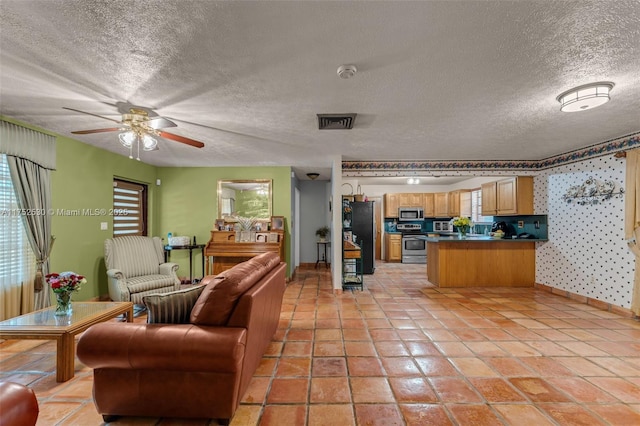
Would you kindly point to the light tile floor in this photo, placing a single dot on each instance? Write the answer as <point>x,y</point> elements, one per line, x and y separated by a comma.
<point>403,352</point>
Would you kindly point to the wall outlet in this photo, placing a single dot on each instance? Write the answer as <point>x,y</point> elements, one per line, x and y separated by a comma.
<point>104,226</point>
<point>521,224</point>
<point>537,224</point>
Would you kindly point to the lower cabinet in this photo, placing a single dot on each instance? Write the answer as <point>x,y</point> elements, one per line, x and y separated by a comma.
<point>393,247</point>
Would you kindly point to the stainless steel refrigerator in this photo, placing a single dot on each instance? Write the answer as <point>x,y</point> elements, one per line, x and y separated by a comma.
<point>363,225</point>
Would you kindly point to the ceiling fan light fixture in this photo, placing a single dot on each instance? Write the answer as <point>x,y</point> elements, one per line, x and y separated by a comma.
<point>413,181</point>
<point>149,143</point>
<point>313,175</point>
<point>127,138</point>
<point>585,97</point>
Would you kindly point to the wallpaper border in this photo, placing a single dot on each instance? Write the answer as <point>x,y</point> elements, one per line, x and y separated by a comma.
<point>389,168</point>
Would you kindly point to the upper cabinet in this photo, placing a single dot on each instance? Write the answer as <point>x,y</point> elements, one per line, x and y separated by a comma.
<point>460,203</point>
<point>391,205</point>
<point>410,199</point>
<point>511,196</point>
<point>428,204</point>
<point>441,204</point>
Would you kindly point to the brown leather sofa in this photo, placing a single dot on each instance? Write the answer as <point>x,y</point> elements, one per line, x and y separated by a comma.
<point>196,370</point>
<point>18,405</point>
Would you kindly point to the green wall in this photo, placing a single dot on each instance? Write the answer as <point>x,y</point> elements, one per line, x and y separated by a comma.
<point>84,180</point>
<point>188,202</point>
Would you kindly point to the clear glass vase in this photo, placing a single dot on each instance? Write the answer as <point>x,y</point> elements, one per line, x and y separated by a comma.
<point>63,303</point>
<point>462,232</point>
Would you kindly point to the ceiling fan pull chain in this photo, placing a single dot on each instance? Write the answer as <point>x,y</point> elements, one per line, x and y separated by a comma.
<point>138,143</point>
<point>131,151</point>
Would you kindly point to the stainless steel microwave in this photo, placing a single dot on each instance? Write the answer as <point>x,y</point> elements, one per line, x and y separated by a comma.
<point>410,213</point>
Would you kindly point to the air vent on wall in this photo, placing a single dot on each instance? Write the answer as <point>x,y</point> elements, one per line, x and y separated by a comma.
<point>336,121</point>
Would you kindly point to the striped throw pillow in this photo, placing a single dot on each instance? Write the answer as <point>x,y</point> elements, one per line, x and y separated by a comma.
<point>173,307</point>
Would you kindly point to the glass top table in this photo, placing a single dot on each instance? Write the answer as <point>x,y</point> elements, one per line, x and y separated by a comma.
<point>44,325</point>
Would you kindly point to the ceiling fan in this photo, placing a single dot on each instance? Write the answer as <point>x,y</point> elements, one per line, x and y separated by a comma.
<point>136,126</point>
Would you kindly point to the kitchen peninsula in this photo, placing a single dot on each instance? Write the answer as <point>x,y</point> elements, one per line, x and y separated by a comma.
<point>480,262</point>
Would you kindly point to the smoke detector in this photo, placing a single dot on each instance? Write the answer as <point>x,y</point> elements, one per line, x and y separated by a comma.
<point>347,71</point>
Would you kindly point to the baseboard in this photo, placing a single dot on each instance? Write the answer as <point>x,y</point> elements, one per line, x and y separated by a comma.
<point>605,306</point>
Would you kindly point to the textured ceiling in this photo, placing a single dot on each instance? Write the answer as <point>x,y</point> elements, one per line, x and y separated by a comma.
<point>446,80</point>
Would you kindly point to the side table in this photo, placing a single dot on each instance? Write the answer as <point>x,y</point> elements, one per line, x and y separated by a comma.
<point>324,259</point>
<point>191,248</point>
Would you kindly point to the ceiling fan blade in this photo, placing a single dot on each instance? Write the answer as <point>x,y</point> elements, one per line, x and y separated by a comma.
<point>160,123</point>
<point>181,139</point>
<point>95,115</point>
<point>86,132</point>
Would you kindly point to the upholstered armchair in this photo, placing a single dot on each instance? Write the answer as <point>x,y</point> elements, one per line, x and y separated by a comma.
<point>136,268</point>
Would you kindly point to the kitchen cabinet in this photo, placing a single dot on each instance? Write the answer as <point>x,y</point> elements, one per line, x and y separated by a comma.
<point>428,204</point>
<point>456,205</point>
<point>409,199</point>
<point>441,204</point>
<point>511,196</point>
<point>486,263</point>
<point>393,247</point>
<point>391,205</point>
<point>489,199</point>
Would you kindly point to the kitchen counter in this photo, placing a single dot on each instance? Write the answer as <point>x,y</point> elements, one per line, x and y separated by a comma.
<point>477,238</point>
<point>480,262</point>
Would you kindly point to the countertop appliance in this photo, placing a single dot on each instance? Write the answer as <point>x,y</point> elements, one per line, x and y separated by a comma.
<point>414,246</point>
<point>442,226</point>
<point>504,227</point>
<point>363,224</point>
<point>406,214</point>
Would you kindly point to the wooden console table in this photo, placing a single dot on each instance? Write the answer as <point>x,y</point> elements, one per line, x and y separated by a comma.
<point>223,251</point>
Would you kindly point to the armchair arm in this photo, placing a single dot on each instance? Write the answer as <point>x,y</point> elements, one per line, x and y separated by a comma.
<point>118,289</point>
<point>178,347</point>
<point>169,268</point>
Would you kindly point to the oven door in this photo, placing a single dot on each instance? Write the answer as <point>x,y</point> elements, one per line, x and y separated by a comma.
<point>414,249</point>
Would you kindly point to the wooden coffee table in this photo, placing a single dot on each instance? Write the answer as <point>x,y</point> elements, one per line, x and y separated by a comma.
<point>44,325</point>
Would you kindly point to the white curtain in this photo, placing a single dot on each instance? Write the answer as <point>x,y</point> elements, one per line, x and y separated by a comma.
<point>31,155</point>
<point>632,219</point>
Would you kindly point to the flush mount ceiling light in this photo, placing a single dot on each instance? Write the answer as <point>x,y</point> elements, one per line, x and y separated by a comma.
<point>313,176</point>
<point>413,181</point>
<point>585,97</point>
<point>347,71</point>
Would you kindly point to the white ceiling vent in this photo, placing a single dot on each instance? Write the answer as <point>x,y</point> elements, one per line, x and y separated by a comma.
<point>336,121</point>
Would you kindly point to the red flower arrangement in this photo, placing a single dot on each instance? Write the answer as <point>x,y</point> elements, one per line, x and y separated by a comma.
<point>65,282</point>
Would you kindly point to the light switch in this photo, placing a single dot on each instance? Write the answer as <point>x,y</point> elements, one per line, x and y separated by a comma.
<point>104,226</point>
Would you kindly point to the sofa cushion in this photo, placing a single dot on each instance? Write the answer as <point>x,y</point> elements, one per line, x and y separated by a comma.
<point>173,307</point>
<point>219,297</point>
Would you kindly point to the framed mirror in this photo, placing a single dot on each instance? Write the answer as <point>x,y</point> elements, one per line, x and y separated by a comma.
<point>244,198</point>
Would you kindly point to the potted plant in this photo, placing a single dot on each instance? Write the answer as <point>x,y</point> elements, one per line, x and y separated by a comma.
<point>322,233</point>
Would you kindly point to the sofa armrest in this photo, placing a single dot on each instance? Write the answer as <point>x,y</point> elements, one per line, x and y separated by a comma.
<point>19,405</point>
<point>178,347</point>
<point>168,268</point>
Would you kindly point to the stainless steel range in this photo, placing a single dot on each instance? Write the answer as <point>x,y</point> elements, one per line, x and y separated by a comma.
<point>414,246</point>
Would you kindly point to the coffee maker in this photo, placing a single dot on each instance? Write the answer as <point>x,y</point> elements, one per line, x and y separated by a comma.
<point>504,227</point>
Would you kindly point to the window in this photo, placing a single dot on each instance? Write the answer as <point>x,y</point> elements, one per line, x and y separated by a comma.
<point>476,208</point>
<point>17,261</point>
<point>130,208</point>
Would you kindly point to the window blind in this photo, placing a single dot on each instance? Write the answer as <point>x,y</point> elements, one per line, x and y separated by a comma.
<point>16,257</point>
<point>130,208</point>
